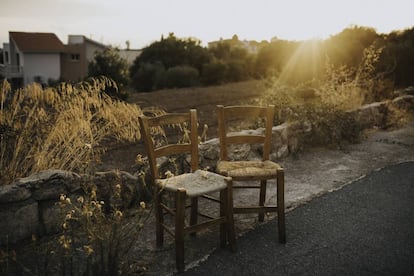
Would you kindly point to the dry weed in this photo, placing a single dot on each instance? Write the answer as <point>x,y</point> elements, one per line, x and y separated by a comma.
<point>60,128</point>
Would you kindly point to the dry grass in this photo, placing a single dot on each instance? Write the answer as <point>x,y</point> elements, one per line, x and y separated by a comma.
<point>322,105</point>
<point>60,128</point>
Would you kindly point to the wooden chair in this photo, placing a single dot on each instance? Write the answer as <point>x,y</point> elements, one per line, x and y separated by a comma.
<point>185,186</point>
<point>251,170</point>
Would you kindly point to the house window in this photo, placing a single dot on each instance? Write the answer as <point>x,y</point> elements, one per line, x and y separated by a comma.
<point>74,57</point>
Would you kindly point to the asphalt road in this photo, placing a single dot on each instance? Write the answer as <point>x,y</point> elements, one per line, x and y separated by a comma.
<point>365,228</point>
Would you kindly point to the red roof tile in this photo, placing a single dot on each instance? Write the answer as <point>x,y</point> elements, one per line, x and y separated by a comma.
<point>37,42</point>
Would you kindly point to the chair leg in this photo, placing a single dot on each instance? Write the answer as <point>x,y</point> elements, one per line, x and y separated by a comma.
<point>179,229</point>
<point>194,213</point>
<point>262,198</point>
<point>159,219</point>
<point>281,205</point>
<point>223,213</point>
<point>230,216</point>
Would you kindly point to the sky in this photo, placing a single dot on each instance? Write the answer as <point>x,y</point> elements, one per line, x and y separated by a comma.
<point>142,22</point>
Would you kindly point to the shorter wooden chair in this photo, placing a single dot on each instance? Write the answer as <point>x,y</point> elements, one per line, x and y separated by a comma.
<point>251,170</point>
<point>191,185</point>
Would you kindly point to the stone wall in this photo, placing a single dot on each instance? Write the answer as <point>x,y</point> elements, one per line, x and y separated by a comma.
<point>287,137</point>
<point>28,206</point>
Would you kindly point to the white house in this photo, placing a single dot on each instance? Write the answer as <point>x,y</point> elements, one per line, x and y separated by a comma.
<point>32,57</point>
<point>129,55</point>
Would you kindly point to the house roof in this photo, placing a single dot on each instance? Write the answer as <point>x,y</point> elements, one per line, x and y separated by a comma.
<point>95,42</point>
<point>37,42</point>
<point>81,39</point>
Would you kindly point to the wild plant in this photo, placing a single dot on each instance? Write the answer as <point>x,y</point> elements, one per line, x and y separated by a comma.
<point>348,88</point>
<point>98,236</point>
<point>51,128</point>
<point>322,105</point>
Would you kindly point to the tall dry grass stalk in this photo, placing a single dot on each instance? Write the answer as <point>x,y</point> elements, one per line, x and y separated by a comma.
<point>60,128</point>
<point>341,88</point>
<point>349,88</point>
<point>322,104</point>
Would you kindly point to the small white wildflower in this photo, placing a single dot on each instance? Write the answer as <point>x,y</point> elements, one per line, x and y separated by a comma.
<point>169,174</point>
<point>88,249</point>
<point>139,160</point>
<point>118,214</point>
<point>204,174</point>
<point>80,199</point>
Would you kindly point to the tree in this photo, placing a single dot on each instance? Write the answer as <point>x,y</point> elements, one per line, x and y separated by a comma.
<point>231,62</point>
<point>274,56</point>
<point>347,47</point>
<point>109,64</point>
<point>399,50</point>
<point>168,53</point>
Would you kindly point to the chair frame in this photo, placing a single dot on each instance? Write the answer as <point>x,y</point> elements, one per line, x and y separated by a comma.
<point>225,219</point>
<point>227,113</point>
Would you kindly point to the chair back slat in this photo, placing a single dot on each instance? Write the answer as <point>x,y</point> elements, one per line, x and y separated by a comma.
<point>173,149</point>
<point>169,119</point>
<point>232,114</point>
<point>248,111</point>
<point>245,139</point>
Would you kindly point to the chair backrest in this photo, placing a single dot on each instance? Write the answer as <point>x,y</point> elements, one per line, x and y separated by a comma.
<point>229,114</point>
<point>151,125</point>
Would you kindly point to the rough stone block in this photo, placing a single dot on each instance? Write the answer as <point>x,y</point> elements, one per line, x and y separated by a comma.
<point>18,221</point>
<point>405,102</point>
<point>14,193</point>
<point>210,149</point>
<point>51,217</point>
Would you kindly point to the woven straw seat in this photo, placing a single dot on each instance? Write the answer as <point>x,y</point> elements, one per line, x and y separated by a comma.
<point>248,170</point>
<point>195,184</point>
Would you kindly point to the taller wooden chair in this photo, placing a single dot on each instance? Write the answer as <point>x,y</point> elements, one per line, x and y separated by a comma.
<point>191,185</point>
<point>251,170</point>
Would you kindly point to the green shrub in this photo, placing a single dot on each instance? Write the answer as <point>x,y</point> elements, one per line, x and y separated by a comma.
<point>214,73</point>
<point>149,76</point>
<point>236,71</point>
<point>181,76</point>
